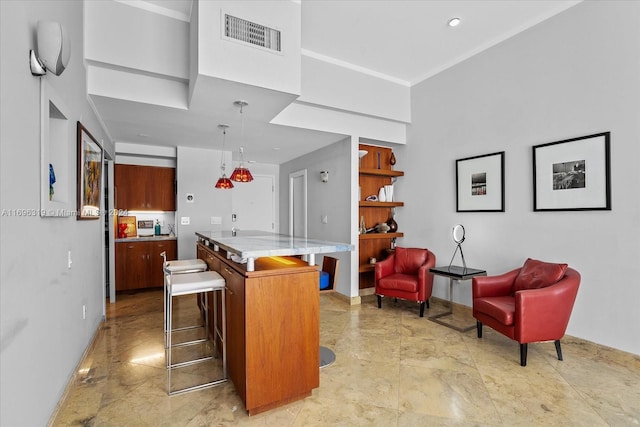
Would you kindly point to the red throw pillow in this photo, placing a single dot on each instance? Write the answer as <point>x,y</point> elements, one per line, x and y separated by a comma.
<point>537,274</point>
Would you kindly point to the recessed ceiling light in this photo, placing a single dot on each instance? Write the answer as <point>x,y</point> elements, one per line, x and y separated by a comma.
<point>143,135</point>
<point>275,148</point>
<point>454,22</point>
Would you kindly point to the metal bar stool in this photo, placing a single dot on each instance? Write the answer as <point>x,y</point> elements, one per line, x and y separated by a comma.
<point>178,267</point>
<point>192,283</point>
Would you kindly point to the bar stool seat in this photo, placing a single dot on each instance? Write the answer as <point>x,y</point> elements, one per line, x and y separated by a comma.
<point>193,283</point>
<point>184,265</point>
<point>178,267</point>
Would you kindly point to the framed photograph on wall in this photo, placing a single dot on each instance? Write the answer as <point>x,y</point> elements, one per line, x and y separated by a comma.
<point>480,183</point>
<point>573,174</point>
<point>89,175</point>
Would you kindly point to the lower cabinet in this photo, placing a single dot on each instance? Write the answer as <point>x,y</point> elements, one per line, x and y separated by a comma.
<point>235,306</point>
<point>273,329</point>
<point>139,264</point>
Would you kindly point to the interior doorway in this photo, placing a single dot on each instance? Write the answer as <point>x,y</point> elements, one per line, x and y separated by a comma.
<point>253,205</point>
<point>298,203</point>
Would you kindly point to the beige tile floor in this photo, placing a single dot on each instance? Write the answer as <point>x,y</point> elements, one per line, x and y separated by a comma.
<point>393,368</point>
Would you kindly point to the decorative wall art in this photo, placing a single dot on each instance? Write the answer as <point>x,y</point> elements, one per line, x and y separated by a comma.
<point>573,174</point>
<point>89,175</point>
<point>480,183</point>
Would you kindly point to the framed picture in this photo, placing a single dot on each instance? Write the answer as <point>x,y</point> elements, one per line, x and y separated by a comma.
<point>572,175</point>
<point>480,183</point>
<point>89,175</point>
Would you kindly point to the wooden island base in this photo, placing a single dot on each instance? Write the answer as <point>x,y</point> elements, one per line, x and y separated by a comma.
<point>273,328</point>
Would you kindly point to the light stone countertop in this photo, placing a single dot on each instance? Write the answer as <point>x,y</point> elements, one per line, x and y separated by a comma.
<point>250,245</point>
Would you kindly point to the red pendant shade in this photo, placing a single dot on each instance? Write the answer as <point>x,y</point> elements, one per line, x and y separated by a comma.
<point>224,183</point>
<point>241,174</point>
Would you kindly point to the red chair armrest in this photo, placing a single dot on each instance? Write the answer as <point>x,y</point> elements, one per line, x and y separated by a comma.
<point>493,286</point>
<point>543,314</point>
<point>425,277</point>
<point>385,267</point>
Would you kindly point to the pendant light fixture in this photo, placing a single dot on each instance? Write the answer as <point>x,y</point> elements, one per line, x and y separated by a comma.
<point>223,183</point>
<point>241,173</point>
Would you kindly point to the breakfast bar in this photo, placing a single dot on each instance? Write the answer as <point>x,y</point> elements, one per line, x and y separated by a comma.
<point>272,312</point>
<point>250,245</point>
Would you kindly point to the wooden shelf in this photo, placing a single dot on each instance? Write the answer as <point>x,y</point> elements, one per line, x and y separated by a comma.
<point>380,236</point>
<point>380,172</point>
<point>367,204</point>
<point>365,268</point>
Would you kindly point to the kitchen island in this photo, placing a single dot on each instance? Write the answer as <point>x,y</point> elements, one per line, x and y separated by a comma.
<point>272,312</point>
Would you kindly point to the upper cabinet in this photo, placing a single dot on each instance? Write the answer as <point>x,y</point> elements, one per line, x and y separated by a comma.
<point>145,188</point>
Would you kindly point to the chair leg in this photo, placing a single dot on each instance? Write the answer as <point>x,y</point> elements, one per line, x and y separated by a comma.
<point>428,304</point>
<point>379,301</point>
<point>422,309</point>
<point>479,328</point>
<point>558,349</point>
<point>523,354</point>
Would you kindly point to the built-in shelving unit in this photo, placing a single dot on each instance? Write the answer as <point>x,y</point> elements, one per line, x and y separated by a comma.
<point>375,171</point>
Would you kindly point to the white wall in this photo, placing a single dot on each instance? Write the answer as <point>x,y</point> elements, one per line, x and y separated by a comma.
<point>337,87</point>
<point>234,61</point>
<point>43,334</point>
<point>133,38</point>
<point>332,199</point>
<point>197,172</point>
<point>576,74</point>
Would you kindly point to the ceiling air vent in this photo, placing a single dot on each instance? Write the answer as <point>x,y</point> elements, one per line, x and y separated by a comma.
<point>252,33</point>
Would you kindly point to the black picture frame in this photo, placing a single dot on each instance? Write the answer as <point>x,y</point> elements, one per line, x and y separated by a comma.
<point>480,183</point>
<point>573,174</point>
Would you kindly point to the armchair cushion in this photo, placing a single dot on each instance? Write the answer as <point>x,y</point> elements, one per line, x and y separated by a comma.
<point>408,260</point>
<point>500,308</point>
<point>399,281</point>
<point>537,274</point>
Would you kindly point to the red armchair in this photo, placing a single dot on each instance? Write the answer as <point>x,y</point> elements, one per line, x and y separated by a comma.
<point>405,275</point>
<point>528,304</point>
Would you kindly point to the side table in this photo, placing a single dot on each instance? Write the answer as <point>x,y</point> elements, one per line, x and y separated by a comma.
<point>454,272</point>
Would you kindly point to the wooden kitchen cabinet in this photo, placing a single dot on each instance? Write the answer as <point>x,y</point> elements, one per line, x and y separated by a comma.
<point>139,264</point>
<point>235,306</point>
<point>273,328</point>
<point>144,187</point>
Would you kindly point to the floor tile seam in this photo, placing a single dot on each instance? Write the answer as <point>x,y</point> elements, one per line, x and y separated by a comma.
<point>484,383</point>
<point>584,397</point>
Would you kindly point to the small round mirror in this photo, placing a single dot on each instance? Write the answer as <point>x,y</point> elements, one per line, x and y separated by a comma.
<point>458,233</point>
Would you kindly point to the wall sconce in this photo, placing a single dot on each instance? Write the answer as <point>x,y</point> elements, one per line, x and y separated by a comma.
<point>324,176</point>
<point>53,49</point>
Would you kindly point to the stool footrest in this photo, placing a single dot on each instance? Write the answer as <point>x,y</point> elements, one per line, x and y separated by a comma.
<point>191,362</point>
<point>188,343</point>
<point>188,328</point>
<point>198,387</point>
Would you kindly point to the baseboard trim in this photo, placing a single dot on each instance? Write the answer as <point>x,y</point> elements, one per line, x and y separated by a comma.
<point>74,377</point>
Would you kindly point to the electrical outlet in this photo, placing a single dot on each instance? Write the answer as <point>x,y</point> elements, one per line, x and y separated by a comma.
<point>215,220</point>
<point>185,220</point>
